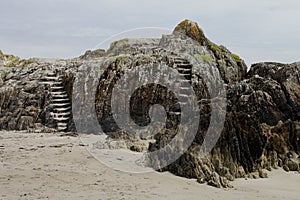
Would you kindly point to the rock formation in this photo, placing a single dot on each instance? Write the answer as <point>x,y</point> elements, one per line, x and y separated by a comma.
<point>262,124</point>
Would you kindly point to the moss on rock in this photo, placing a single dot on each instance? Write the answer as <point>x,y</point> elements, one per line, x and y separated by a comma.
<point>236,57</point>
<point>4,75</point>
<point>192,30</point>
<point>215,49</point>
<point>205,58</point>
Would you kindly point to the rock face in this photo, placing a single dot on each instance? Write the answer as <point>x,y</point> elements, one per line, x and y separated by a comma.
<point>261,128</point>
<point>231,67</point>
<point>33,96</point>
<point>262,112</point>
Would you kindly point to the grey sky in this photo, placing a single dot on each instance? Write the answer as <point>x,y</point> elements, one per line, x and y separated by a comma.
<point>257,30</point>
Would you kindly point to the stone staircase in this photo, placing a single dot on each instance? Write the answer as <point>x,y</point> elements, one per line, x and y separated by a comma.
<point>184,68</point>
<point>60,101</point>
<point>185,71</point>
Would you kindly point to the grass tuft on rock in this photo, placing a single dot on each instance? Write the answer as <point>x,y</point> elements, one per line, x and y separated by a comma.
<point>205,58</point>
<point>236,57</point>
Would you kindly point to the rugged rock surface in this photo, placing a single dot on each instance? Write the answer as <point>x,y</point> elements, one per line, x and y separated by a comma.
<point>33,95</point>
<point>261,128</point>
<point>231,67</point>
<point>262,124</point>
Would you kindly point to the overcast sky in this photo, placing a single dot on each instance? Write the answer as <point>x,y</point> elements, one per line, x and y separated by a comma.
<point>257,30</point>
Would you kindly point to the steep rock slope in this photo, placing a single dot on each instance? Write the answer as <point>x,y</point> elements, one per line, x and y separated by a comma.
<point>261,127</point>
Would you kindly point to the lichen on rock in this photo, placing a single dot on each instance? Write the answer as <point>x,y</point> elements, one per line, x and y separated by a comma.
<point>192,30</point>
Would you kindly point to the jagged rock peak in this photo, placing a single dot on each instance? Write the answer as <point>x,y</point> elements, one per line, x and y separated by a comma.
<point>192,30</point>
<point>231,67</point>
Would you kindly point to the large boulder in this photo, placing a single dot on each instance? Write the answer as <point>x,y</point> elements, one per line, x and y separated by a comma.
<point>287,77</point>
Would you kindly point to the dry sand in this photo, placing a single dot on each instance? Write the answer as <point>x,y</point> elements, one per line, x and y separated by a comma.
<point>47,166</point>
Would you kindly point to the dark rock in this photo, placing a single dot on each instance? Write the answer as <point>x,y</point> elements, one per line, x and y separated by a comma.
<point>292,165</point>
<point>214,180</point>
<point>289,155</point>
<point>201,180</point>
<point>138,148</point>
<point>225,183</point>
<point>286,168</point>
<point>262,124</point>
<point>263,174</point>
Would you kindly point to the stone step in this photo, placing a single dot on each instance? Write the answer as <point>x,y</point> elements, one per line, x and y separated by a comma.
<point>184,69</point>
<point>183,99</point>
<point>57,84</point>
<point>61,104</point>
<point>174,113</point>
<point>62,124</point>
<point>61,118</point>
<point>57,100</point>
<point>45,82</point>
<point>61,128</point>
<point>184,72</point>
<point>63,114</point>
<point>184,88</point>
<point>183,103</point>
<point>62,109</point>
<point>178,59</point>
<point>54,78</point>
<point>58,93</point>
<point>185,80</point>
<point>51,83</point>
<point>183,95</point>
<point>186,76</point>
<point>64,96</point>
<point>185,66</point>
<point>51,73</point>
<point>185,91</point>
<point>45,79</point>
<point>57,88</point>
<point>181,62</point>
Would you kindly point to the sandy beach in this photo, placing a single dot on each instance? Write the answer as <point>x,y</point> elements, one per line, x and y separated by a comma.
<point>51,166</point>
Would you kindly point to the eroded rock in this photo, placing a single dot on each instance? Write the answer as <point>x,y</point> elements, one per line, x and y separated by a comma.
<point>262,122</point>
